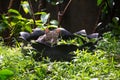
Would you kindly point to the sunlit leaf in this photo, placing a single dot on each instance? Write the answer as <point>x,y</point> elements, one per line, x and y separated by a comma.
<point>14,12</point>
<point>54,22</point>
<point>26,7</point>
<point>38,13</point>
<point>28,28</point>
<point>44,18</point>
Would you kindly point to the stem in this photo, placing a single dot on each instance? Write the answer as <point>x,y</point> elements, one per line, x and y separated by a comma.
<point>32,13</point>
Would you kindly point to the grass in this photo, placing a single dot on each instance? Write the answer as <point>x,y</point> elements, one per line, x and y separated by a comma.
<point>103,63</point>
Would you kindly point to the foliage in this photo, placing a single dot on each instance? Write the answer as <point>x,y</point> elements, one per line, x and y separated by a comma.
<point>26,7</point>
<point>102,63</point>
<point>24,67</point>
<point>5,73</point>
<point>109,16</point>
<point>15,23</point>
<point>54,2</point>
<point>110,44</point>
<point>99,64</point>
<point>99,2</point>
<point>116,27</point>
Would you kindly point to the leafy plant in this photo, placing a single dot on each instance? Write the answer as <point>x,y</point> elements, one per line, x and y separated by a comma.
<point>108,14</point>
<point>116,27</point>
<point>102,63</point>
<point>15,23</point>
<point>5,74</point>
<point>26,7</point>
<point>99,64</point>
<point>109,43</point>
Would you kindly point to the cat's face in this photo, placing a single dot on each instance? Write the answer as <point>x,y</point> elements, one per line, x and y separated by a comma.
<point>52,36</point>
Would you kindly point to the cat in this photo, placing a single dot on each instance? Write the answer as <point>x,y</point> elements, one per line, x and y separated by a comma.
<point>50,37</point>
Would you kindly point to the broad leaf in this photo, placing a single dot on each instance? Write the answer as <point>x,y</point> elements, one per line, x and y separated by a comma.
<point>99,2</point>
<point>5,74</point>
<point>26,7</point>
<point>44,18</point>
<point>14,12</point>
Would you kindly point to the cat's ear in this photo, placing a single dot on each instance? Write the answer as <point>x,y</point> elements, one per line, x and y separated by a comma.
<point>47,30</point>
<point>58,30</point>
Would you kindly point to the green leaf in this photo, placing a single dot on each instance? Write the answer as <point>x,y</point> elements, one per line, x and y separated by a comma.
<point>39,13</point>
<point>54,22</point>
<point>99,2</point>
<point>14,12</point>
<point>5,74</point>
<point>28,28</point>
<point>26,7</point>
<point>3,26</point>
<point>44,18</point>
